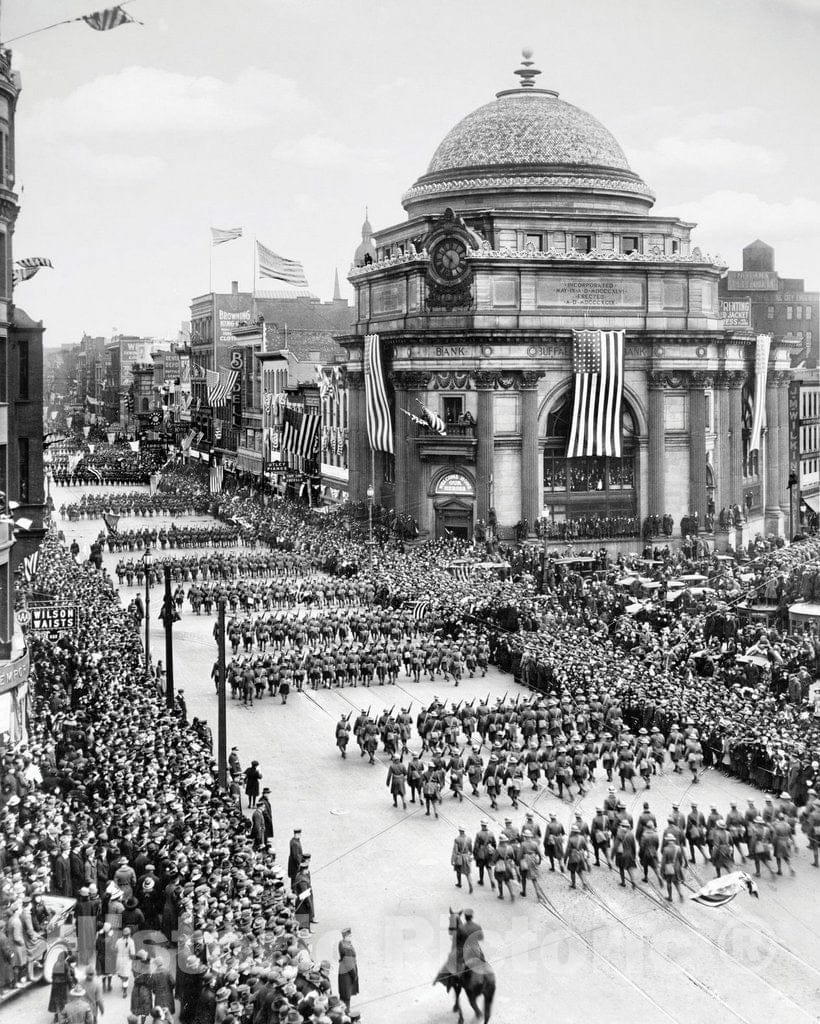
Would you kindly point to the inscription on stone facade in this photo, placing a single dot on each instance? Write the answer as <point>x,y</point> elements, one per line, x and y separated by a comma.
<point>600,292</point>
<point>387,298</point>
<point>547,351</point>
<point>446,351</point>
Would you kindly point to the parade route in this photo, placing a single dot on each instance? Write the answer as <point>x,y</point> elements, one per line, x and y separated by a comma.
<point>385,872</point>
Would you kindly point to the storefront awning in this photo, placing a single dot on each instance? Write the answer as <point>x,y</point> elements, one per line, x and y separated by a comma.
<point>813,501</point>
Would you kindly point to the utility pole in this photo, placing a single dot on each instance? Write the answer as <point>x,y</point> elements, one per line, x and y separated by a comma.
<point>222,740</point>
<point>169,640</point>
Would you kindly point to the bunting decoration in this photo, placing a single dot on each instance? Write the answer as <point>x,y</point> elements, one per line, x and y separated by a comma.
<point>111,17</point>
<point>379,424</point>
<point>598,364</point>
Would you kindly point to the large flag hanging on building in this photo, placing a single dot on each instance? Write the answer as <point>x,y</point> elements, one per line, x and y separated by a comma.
<point>764,344</point>
<point>111,17</point>
<point>598,364</point>
<point>270,264</point>
<point>220,385</point>
<point>220,235</point>
<point>215,478</point>
<point>379,424</point>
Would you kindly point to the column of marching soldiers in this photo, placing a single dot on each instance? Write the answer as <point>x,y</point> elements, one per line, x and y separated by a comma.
<point>525,743</point>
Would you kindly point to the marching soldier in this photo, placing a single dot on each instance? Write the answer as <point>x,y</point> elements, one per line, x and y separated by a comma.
<point>672,864</point>
<point>529,859</point>
<point>484,847</point>
<point>648,846</point>
<point>575,857</point>
<point>396,778</point>
<point>721,847</point>
<point>461,858</point>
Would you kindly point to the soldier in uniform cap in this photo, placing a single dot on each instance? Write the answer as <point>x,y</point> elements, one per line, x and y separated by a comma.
<point>484,846</point>
<point>461,858</point>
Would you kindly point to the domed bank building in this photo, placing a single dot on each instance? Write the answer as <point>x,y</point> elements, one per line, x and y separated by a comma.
<point>533,343</point>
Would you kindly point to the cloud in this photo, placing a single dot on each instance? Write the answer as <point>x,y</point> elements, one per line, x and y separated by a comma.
<point>319,151</point>
<point>703,155</point>
<point>144,100</point>
<point>118,167</point>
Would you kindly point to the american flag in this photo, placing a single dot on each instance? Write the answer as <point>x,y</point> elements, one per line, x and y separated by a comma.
<point>222,235</point>
<point>30,563</point>
<point>215,481</point>
<point>379,424</point>
<point>762,348</point>
<point>419,609</point>
<point>220,385</point>
<point>111,521</point>
<point>300,432</point>
<point>598,364</point>
<point>278,267</point>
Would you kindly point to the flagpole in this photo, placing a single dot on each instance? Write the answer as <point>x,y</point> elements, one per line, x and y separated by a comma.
<point>211,266</point>
<point>253,283</point>
<point>371,497</point>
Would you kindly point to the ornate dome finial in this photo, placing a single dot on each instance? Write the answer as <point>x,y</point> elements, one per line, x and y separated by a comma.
<point>527,72</point>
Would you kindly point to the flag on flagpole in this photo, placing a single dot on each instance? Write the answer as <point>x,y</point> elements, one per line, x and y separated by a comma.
<point>111,521</point>
<point>153,483</point>
<point>215,481</point>
<point>764,343</point>
<point>111,17</point>
<point>221,235</point>
<point>270,264</point>
<point>432,419</point>
<point>379,424</point>
<point>26,268</point>
<point>598,363</point>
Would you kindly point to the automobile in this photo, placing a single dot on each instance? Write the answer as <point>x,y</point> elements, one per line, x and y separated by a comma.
<point>60,937</point>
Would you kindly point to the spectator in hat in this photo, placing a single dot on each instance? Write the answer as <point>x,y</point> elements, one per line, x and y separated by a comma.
<point>348,968</point>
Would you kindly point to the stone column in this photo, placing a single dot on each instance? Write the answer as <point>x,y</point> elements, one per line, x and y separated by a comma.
<point>774,517</point>
<point>697,444</point>
<point>400,441</point>
<point>782,382</point>
<point>656,491</point>
<point>414,385</point>
<point>722,458</point>
<point>530,503</point>
<point>735,431</point>
<point>358,450</point>
<point>485,451</point>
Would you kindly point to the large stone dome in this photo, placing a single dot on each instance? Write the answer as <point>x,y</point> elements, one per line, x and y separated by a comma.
<point>527,127</point>
<point>528,148</point>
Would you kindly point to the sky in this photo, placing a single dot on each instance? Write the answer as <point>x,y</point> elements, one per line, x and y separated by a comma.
<point>288,117</point>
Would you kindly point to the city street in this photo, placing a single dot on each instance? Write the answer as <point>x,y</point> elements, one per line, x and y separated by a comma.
<point>386,873</point>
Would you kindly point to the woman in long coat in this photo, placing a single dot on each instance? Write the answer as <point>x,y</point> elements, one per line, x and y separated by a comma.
<point>252,778</point>
<point>60,984</point>
<point>348,969</point>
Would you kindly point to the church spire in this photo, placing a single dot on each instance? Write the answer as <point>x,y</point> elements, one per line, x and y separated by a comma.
<point>337,292</point>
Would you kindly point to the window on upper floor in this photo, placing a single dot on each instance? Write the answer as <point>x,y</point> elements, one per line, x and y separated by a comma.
<point>798,312</point>
<point>22,371</point>
<point>582,243</point>
<point>789,312</point>
<point>536,241</point>
<point>675,245</point>
<point>452,407</point>
<point>630,243</point>
<point>808,312</point>
<point>770,312</point>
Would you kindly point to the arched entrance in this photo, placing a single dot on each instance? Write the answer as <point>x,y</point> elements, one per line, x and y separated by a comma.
<point>453,504</point>
<point>591,486</point>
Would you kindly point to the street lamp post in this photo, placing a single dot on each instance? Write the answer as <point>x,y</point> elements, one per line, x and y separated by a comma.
<point>222,711</point>
<point>370,496</point>
<point>146,562</point>
<point>169,640</point>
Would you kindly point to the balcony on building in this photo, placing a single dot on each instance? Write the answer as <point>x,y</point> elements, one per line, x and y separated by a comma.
<point>459,441</point>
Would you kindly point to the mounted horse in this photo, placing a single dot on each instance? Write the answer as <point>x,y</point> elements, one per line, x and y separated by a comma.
<point>471,975</point>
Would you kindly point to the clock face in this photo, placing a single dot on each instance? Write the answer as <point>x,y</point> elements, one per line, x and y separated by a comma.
<point>449,259</point>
